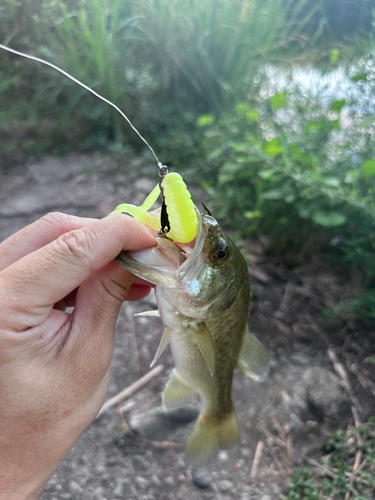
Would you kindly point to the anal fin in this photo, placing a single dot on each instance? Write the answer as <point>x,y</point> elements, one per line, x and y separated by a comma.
<point>166,337</point>
<point>253,360</point>
<point>177,392</point>
<point>205,344</point>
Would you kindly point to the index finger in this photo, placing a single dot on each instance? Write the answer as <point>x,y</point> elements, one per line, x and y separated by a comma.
<point>34,283</point>
<point>37,235</point>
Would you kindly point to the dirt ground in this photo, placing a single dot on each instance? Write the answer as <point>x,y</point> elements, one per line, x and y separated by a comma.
<point>284,420</point>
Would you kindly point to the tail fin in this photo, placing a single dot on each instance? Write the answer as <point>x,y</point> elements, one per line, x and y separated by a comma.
<point>210,435</point>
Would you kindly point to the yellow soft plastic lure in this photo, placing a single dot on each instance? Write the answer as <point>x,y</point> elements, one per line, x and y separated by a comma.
<point>179,205</point>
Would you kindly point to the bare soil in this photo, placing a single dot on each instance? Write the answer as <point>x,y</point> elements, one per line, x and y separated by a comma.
<point>286,418</point>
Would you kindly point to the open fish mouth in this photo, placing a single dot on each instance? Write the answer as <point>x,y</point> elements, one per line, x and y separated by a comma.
<point>168,262</point>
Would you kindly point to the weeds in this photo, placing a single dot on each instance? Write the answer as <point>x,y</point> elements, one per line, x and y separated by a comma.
<point>340,454</point>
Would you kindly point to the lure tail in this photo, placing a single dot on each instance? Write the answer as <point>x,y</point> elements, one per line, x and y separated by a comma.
<point>210,435</point>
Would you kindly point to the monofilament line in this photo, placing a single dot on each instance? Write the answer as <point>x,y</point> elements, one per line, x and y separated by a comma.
<point>38,59</point>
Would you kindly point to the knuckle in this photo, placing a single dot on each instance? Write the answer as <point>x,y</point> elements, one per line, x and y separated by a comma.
<point>115,290</point>
<point>54,219</point>
<point>76,243</point>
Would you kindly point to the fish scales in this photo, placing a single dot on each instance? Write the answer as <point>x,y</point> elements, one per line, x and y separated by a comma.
<point>203,300</point>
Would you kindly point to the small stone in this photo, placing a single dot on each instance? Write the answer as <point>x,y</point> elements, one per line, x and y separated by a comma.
<point>225,485</point>
<point>74,486</point>
<point>201,479</point>
<point>169,481</point>
<point>141,483</point>
<point>155,480</point>
<point>65,496</point>
<point>245,452</point>
<point>265,497</point>
<point>223,455</point>
<point>141,463</point>
<point>112,461</point>
<point>99,459</point>
<point>325,393</point>
<point>300,359</point>
<point>121,488</point>
<point>181,478</point>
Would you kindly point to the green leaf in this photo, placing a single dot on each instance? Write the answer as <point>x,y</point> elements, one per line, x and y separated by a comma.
<point>273,147</point>
<point>352,176</point>
<point>242,108</point>
<point>331,181</point>
<point>272,194</point>
<point>205,120</point>
<point>338,105</point>
<point>215,153</point>
<point>361,76</point>
<point>278,101</point>
<point>252,115</point>
<point>334,55</point>
<point>366,122</point>
<point>368,168</point>
<point>328,219</point>
<point>253,215</point>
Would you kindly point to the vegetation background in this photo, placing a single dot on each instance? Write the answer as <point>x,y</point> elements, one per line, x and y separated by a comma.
<point>270,106</point>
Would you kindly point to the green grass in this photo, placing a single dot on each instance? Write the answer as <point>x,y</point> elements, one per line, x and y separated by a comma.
<point>340,454</point>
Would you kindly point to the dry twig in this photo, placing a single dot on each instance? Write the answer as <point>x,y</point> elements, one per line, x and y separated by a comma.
<point>355,409</point>
<point>306,459</point>
<point>129,390</point>
<point>257,457</point>
<point>342,373</point>
<point>258,274</point>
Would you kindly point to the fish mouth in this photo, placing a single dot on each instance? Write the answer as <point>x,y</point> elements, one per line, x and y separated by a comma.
<point>167,263</point>
<point>196,251</point>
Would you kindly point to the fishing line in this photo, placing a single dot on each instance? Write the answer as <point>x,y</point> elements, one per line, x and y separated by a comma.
<point>163,169</point>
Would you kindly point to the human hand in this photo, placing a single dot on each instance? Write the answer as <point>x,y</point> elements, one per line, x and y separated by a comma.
<point>54,366</point>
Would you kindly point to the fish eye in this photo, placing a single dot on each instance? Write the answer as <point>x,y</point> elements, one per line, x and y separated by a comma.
<point>220,253</point>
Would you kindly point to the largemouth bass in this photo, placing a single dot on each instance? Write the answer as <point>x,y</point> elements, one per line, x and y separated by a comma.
<point>203,295</point>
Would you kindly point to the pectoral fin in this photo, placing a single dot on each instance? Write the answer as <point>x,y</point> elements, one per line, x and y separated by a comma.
<point>163,344</point>
<point>155,313</point>
<point>205,344</point>
<point>253,360</point>
<point>177,392</point>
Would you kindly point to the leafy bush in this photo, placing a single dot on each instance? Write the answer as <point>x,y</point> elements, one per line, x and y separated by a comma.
<point>163,62</point>
<point>299,168</point>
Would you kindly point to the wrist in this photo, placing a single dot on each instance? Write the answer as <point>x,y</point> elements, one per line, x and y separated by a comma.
<point>23,471</point>
<point>28,459</point>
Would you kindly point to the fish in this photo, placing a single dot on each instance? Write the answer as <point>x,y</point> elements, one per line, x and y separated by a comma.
<point>203,296</point>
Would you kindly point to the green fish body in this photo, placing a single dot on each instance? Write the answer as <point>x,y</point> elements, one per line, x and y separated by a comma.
<point>203,299</point>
